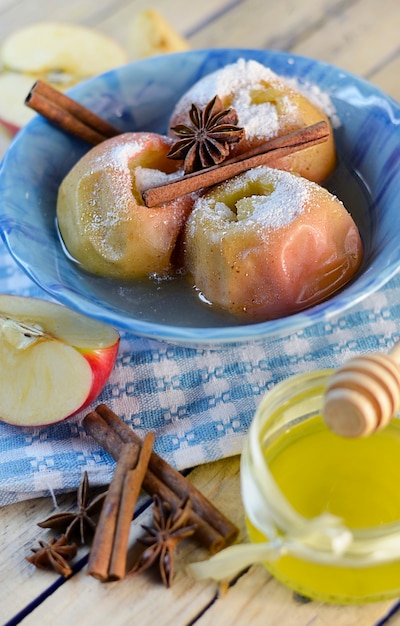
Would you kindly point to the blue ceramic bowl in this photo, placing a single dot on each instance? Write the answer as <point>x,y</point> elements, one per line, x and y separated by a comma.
<point>141,96</point>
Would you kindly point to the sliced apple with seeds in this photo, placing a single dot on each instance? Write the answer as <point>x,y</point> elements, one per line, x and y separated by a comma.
<point>60,53</point>
<point>53,360</point>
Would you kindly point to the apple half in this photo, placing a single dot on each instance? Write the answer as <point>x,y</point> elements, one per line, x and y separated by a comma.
<point>53,360</point>
<point>60,53</point>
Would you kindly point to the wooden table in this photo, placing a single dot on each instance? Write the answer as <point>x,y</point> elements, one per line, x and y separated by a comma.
<point>361,36</point>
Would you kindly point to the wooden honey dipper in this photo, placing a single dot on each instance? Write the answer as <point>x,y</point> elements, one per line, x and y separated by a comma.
<point>363,395</point>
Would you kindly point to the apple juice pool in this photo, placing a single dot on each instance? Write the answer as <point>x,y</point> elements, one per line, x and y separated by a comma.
<point>357,480</point>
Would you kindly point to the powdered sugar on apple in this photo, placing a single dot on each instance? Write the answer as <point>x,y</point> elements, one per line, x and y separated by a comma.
<point>238,83</point>
<point>278,208</point>
<point>147,177</point>
<point>117,161</point>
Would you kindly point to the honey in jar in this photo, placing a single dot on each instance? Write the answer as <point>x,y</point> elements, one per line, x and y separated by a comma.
<point>330,505</point>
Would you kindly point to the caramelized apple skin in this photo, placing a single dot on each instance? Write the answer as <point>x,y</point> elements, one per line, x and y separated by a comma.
<point>276,259</point>
<point>102,218</point>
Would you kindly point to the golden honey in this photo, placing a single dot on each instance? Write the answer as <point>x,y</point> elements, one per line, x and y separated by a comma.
<point>357,481</point>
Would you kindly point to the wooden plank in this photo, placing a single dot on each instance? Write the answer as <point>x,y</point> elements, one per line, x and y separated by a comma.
<point>358,38</point>
<point>394,620</point>
<point>19,532</point>
<point>260,600</point>
<point>260,24</point>
<point>119,24</point>
<point>21,582</point>
<point>5,4</point>
<point>21,14</point>
<point>85,600</point>
<point>256,598</point>
<point>384,78</point>
<point>115,20</point>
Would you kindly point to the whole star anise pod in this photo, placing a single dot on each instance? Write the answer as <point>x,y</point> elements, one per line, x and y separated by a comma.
<point>169,528</point>
<point>81,519</point>
<point>55,554</point>
<point>207,140</point>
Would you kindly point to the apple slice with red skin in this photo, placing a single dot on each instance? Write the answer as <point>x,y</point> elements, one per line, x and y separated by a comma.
<point>60,53</point>
<point>13,113</point>
<point>53,361</point>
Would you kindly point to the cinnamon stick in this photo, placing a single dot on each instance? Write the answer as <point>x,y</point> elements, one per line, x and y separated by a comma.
<point>75,118</point>
<point>68,114</point>
<point>107,560</point>
<point>130,493</point>
<point>270,153</point>
<point>205,533</point>
<point>173,479</point>
<point>213,529</point>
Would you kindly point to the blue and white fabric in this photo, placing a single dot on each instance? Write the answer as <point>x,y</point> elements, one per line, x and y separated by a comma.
<point>198,402</point>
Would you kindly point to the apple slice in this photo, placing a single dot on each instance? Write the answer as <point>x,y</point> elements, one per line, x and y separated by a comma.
<point>152,34</point>
<point>45,48</point>
<point>13,113</point>
<point>53,361</point>
<point>59,53</point>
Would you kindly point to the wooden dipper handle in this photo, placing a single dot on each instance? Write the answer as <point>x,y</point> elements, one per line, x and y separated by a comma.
<point>363,395</point>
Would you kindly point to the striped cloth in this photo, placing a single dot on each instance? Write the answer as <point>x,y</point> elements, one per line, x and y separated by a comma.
<point>198,402</point>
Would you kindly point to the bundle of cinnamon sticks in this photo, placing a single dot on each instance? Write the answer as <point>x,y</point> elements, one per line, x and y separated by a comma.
<point>138,466</point>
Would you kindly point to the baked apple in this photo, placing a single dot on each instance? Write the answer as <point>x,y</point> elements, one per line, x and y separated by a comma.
<point>267,106</point>
<point>102,218</point>
<point>268,243</point>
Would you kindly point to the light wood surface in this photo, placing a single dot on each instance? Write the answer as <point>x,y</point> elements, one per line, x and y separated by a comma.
<point>361,36</point>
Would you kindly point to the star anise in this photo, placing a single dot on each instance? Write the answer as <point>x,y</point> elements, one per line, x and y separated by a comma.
<point>207,140</point>
<point>81,519</point>
<point>169,528</point>
<point>55,554</point>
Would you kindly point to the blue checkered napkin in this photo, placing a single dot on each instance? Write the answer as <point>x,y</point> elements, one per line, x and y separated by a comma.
<point>198,402</point>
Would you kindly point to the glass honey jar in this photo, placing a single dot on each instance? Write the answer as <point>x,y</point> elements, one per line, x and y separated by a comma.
<point>322,511</point>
